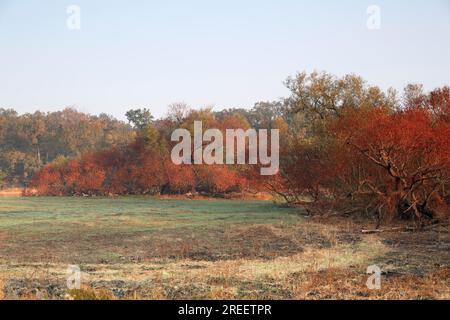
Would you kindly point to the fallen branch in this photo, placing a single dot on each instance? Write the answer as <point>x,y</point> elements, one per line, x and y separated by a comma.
<point>389,230</point>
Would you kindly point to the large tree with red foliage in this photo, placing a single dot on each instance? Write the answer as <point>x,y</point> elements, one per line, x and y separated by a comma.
<point>407,155</point>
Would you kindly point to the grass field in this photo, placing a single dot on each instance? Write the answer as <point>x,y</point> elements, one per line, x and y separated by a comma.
<point>144,248</point>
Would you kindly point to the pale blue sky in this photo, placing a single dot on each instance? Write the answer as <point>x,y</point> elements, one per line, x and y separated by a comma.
<point>224,53</point>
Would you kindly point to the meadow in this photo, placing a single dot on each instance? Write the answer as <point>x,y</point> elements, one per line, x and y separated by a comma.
<point>148,248</point>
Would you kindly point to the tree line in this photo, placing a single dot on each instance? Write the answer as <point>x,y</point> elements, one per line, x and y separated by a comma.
<point>345,145</point>
<point>31,141</point>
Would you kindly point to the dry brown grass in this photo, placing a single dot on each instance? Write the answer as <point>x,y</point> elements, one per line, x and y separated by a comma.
<point>311,259</point>
<point>89,293</point>
<point>350,285</point>
<point>337,273</point>
<point>2,286</point>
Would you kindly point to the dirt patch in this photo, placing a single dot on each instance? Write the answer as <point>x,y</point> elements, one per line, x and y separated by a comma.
<point>252,242</point>
<point>12,192</point>
<point>410,250</point>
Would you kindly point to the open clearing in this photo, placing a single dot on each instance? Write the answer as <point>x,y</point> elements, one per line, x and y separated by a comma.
<point>144,248</point>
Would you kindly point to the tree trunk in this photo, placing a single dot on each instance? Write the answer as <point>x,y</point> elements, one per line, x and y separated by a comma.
<point>38,156</point>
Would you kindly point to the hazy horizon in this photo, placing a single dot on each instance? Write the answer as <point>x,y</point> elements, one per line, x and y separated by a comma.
<point>223,54</point>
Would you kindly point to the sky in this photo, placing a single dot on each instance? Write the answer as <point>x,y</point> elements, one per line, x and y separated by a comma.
<point>220,53</point>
